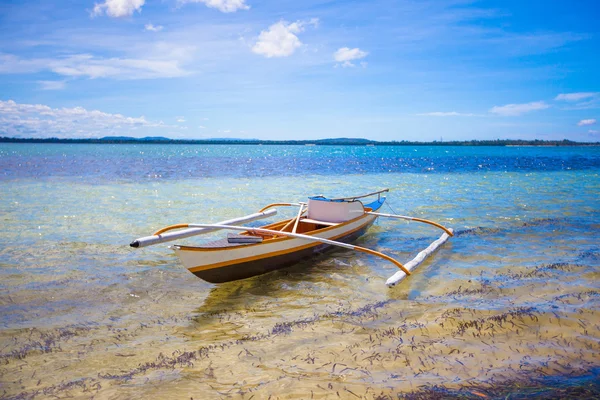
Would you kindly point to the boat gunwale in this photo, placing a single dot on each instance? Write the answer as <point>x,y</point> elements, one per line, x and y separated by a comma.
<point>272,253</point>
<point>278,238</point>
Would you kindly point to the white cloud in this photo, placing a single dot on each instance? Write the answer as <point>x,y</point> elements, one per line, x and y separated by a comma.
<point>87,65</point>
<point>52,85</point>
<point>575,96</point>
<point>512,110</point>
<point>446,114</point>
<point>180,119</point>
<point>225,6</point>
<point>11,64</point>
<point>118,8</point>
<point>593,131</point>
<point>37,120</point>
<point>345,55</point>
<point>153,28</point>
<point>124,68</point>
<point>586,122</point>
<point>580,100</point>
<point>280,39</point>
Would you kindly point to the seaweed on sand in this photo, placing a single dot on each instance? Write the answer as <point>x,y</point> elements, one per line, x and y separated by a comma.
<point>489,323</point>
<point>579,296</point>
<point>85,385</point>
<point>593,254</point>
<point>43,342</point>
<point>529,387</point>
<point>541,271</point>
<point>480,230</point>
<point>369,309</point>
<point>177,359</point>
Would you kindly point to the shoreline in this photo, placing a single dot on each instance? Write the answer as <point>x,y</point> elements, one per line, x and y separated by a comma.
<point>318,142</point>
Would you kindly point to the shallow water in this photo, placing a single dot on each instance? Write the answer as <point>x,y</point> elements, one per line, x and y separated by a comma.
<point>514,296</point>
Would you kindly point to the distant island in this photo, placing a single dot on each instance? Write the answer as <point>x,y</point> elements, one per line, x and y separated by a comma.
<point>322,142</point>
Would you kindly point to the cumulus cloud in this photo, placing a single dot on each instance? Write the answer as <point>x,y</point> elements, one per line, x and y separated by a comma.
<point>226,6</point>
<point>586,122</point>
<point>118,8</point>
<point>280,39</point>
<point>575,96</point>
<point>512,110</point>
<point>346,55</point>
<point>38,120</point>
<point>153,28</point>
<point>446,114</point>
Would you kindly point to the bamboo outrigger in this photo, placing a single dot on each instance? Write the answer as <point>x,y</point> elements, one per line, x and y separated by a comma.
<point>319,224</point>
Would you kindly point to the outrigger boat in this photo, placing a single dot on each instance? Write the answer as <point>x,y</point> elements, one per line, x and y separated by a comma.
<point>319,224</point>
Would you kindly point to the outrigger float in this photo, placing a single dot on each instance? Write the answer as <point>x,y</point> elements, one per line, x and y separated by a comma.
<point>319,224</point>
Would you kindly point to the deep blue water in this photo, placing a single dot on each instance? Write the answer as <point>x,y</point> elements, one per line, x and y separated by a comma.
<point>105,163</point>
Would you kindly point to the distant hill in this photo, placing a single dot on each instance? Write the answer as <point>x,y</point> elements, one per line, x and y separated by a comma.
<point>230,140</point>
<point>129,138</point>
<point>160,138</point>
<point>165,139</point>
<point>319,142</point>
<point>344,141</point>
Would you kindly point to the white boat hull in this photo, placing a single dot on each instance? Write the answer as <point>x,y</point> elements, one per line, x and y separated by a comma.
<point>223,264</point>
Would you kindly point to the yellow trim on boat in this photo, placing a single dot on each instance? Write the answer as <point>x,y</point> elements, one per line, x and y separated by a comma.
<point>274,205</point>
<point>265,255</point>
<point>274,239</point>
<point>170,227</point>
<point>426,221</point>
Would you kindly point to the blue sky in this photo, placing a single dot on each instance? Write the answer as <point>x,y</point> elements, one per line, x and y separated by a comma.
<point>383,70</point>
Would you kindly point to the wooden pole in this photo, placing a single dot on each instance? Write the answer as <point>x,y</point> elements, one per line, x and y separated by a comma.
<point>363,195</point>
<point>415,262</point>
<point>291,221</point>
<point>161,237</point>
<point>277,205</point>
<point>448,231</point>
<point>300,211</point>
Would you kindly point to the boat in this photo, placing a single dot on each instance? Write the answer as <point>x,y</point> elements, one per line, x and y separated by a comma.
<point>320,223</point>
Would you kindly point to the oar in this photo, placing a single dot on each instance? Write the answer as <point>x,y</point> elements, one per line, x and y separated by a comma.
<point>448,231</point>
<point>301,236</point>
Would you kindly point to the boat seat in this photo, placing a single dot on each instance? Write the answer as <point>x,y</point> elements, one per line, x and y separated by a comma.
<point>314,221</point>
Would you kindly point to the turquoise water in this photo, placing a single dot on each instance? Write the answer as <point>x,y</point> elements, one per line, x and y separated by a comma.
<point>513,296</point>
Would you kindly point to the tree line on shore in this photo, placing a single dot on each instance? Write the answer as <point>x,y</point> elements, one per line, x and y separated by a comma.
<point>337,142</point>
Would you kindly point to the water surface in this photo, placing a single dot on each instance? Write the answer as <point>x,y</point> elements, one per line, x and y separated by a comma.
<point>513,297</point>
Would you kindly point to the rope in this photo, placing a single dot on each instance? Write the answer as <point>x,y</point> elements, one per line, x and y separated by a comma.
<point>388,204</point>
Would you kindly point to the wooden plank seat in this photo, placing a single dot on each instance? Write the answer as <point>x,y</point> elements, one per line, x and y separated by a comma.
<point>233,238</point>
